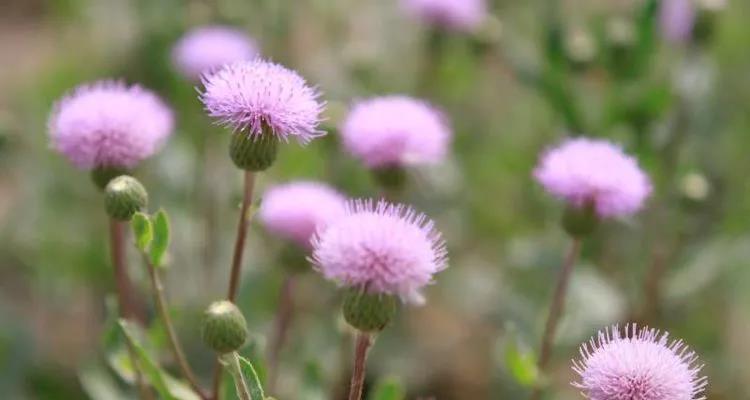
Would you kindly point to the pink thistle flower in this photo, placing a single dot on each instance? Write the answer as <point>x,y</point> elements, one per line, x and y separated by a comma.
<point>457,15</point>
<point>395,131</point>
<point>382,248</point>
<point>205,49</point>
<point>639,365</point>
<point>597,172</point>
<point>676,19</point>
<point>109,124</point>
<point>249,95</point>
<point>296,210</point>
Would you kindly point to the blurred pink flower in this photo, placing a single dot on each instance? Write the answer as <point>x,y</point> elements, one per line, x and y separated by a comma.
<point>641,364</point>
<point>394,131</point>
<point>205,49</point>
<point>249,95</point>
<point>294,211</point>
<point>109,124</point>
<point>384,249</point>
<point>676,19</point>
<point>582,171</point>
<point>459,15</point>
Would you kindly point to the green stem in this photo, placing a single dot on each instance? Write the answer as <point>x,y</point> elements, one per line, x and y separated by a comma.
<point>174,341</point>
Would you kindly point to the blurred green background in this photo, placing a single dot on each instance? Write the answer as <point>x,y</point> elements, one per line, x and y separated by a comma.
<point>536,71</point>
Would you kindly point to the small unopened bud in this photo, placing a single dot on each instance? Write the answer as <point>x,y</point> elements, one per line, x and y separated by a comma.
<point>580,48</point>
<point>224,327</point>
<point>123,197</point>
<point>368,312</point>
<point>580,221</point>
<point>253,152</point>
<point>102,175</point>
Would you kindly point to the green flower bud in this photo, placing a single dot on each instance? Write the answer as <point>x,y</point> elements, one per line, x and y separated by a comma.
<point>224,327</point>
<point>254,152</point>
<point>580,221</point>
<point>102,175</point>
<point>123,197</point>
<point>368,312</point>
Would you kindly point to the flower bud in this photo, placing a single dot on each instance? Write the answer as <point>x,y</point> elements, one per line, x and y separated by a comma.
<point>123,197</point>
<point>224,327</point>
<point>368,312</point>
<point>102,175</point>
<point>580,221</point>
<point>253,152</point>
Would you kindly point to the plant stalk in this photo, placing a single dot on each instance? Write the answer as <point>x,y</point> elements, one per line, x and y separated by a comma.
<point>363,343</point>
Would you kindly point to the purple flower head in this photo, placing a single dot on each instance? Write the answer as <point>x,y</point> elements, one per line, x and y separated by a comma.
<point>249,95</point>
<point>382,248</point>
<point>205,49</point>
<point>457,15</point>
<point>109,124</point>
<point>639,365</point>
<point>296,210</point>
<point>395,131</point>
<point>676,19</point>
<point>597,172</point>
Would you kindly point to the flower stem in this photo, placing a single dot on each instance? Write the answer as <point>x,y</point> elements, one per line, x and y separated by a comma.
<point>556,309</point>
<point>362,347</point>
<point>283,321</point>
<point>239,244</point>
<point>124,286</point>
<point>239,249</point>
<point>174,341</point>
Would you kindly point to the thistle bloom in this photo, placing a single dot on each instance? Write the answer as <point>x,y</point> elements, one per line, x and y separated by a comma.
<point>109,124</point>
<point>676,19</point>
<point>641,364</point>
<point>380,248</point>
<point>395,131</point>
<point>594,172</point>
<point>296,210</point>
<point>458,15</point>
<point>252,96</point>
<point>207,48</point>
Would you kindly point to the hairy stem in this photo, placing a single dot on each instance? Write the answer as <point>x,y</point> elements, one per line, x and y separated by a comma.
<point>239,250</point>
<point>174,341</point>
<point>283,321</point>
<point>556,310</point>
<point>363,343</point>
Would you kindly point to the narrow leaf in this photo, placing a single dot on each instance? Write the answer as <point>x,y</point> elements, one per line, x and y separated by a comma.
<point>142,230</point>
<point>151,370</point>
<point>161,238</point>
<point>389,389</point>
<point>252,379</point>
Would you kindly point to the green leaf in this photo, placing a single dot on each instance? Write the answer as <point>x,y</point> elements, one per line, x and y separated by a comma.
<point>151,370</point>
<point>520,361</point>
<point>98,384</point>
<point>142,230</point>
<point>161,238</point>
<point>252,379</point>
<point>389,389</point>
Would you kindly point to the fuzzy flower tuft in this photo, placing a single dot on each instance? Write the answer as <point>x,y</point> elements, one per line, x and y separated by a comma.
<point>597,172</point>
<point>639,364</point>
<point>676,19</point>
<point>381,248</point>
<point>205,49</point>
<point>251,95</point>
<point>395,131</point>
<point>296,210</point>
<point>457,15</point>
<point>109,124</point>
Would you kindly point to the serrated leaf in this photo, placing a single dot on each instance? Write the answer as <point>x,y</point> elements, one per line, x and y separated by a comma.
<point>150,369</point>
<point>160,242</point>
<point>389,389</point>
<point>142,230</point>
